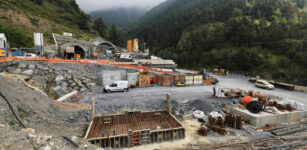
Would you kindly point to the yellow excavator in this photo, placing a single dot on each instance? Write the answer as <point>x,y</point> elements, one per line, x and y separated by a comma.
<point>217,70</point>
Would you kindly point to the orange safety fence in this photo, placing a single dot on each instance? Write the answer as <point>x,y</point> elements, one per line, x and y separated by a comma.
<point>82,61</point>
<point>5,59</point>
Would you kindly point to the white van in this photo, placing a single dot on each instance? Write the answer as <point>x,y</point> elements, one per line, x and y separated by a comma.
<point>117,86</point>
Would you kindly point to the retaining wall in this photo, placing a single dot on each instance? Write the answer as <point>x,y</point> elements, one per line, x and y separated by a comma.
<point>300,88</point>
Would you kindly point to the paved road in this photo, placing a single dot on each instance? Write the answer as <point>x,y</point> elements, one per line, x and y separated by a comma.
<point>152,98</point>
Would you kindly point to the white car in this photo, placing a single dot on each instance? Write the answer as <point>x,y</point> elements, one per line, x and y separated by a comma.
<point>117,86</point>
<point>264,84</point>
<point>29,55</point>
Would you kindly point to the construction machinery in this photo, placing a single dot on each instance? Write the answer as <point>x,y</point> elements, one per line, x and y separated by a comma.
<point>208,79</point>
<point>3,53</point>
<point>220,71</point>
<point>143,71</point>
<point>180,84</point>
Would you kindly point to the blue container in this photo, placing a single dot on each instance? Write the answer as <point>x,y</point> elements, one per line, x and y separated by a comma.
<point>18,53</point>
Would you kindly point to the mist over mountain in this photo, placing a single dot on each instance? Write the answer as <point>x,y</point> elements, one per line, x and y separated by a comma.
<point>120,17</point>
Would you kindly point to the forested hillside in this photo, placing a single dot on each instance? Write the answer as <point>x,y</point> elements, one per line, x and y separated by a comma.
<point>20,18</point>
<point>120,17</point>
<point>258,37</point>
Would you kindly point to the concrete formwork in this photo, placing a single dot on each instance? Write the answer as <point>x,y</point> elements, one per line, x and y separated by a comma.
<point>262,119</point>
<point>133,129</point>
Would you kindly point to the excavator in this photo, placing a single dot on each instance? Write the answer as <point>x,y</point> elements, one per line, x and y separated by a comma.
<point>220,71</point>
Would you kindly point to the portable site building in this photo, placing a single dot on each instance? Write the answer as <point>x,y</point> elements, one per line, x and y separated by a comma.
<point>144,80</point>
<point>3,41</point>
<point>179,78</point>
<point>134,129</point>
<point>165,80</point>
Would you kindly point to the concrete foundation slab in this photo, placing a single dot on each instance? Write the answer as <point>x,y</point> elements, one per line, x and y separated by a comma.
<point>260,120</point>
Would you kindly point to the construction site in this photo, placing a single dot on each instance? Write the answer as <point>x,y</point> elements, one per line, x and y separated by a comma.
<point>95,95</point>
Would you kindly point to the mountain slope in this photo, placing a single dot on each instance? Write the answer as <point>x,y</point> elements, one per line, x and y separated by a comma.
<point>247,36</point>
<point>120,17</point>
<point>19,19</point>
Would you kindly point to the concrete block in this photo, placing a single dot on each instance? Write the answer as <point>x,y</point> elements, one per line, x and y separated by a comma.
<point>260,120</point>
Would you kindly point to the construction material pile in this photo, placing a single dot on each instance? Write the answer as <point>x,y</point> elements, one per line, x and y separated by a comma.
<point>256,102</point>
<point>55,82</point>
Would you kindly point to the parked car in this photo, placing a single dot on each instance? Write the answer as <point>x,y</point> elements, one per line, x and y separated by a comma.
<point>117,86</point>
<point>264,84</point>
<point>29,55</point>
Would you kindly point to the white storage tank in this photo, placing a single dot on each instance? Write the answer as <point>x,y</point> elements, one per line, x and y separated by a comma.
<point>189,80</point>
<point>198,80</point>
<point>39,43</point>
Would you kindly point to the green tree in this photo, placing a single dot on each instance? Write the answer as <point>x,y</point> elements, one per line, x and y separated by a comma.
<point>100,27</point>
<point>114,36</point>
<point>83,22</point>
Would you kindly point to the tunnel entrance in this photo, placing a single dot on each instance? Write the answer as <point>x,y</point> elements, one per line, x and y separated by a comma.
<point>74,52</point>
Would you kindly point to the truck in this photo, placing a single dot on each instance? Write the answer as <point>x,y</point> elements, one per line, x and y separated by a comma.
<point>117,86</point>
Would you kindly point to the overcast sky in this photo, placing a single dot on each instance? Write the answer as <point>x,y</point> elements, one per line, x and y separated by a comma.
<point>92,5</point>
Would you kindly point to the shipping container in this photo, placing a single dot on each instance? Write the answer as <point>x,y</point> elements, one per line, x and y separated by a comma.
<point>144,80</point>
<point>179,79</point>
<point>198,80</point>
<point>165,80</point>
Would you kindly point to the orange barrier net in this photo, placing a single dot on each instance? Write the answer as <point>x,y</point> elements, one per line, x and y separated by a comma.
<point>5,59</point>
<point>83,61</point>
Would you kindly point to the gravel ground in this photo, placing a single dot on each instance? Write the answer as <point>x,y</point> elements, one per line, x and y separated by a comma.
<point>238,81</point>
<point>200,97</point>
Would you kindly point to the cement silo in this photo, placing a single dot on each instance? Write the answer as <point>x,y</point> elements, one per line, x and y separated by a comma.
<point>39,43</point>
<point>129,45</point>
<point>136,45</point>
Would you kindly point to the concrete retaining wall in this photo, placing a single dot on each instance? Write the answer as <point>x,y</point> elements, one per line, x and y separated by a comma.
<point>300,88</point>
<point>133,78</point>
<point>262,119</point>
